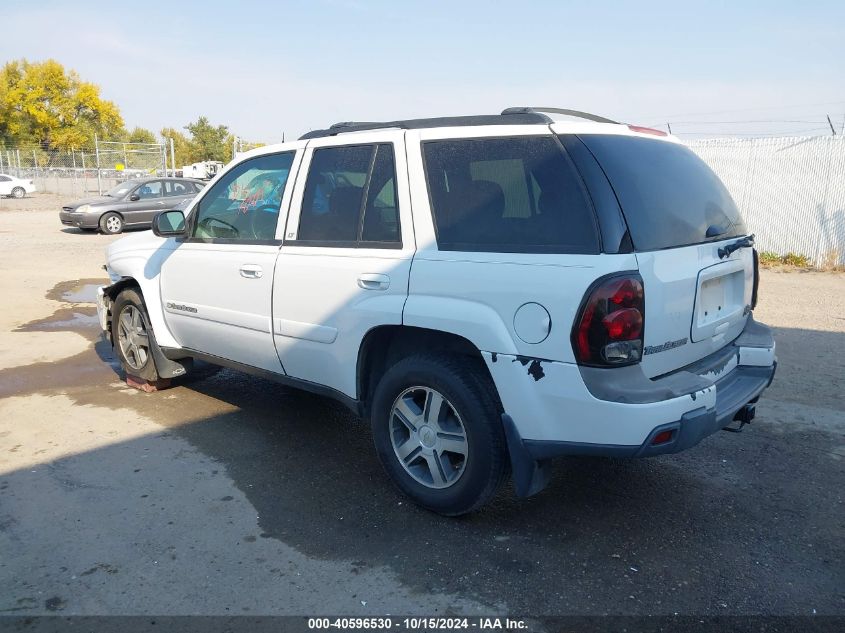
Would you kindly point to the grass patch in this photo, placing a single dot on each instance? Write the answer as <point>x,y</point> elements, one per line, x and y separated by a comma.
<point>795,260</point>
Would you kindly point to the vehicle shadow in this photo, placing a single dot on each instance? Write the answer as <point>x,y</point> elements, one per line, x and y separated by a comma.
<point>72,230</point>
<point>691,529</point>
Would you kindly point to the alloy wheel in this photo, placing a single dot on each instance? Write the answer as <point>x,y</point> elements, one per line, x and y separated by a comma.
<point>133,338</point>
<point>428,437</point>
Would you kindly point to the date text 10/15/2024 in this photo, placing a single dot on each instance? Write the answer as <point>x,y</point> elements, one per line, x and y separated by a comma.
<point>419,623</point>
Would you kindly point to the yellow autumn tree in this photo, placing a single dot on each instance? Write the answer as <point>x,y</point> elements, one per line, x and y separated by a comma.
<point>43,104</point>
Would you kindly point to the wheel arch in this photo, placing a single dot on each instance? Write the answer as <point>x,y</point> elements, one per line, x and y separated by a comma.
<point>105,213</point>
<point>112,292</point>
<point>148,288</point>
<point>165,367</point>
<point>385,345</point>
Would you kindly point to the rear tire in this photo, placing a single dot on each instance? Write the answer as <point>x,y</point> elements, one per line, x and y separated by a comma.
<point>18,192</point>
<point>448,455</point>
<point>111,223</point>
<point>132,336</point>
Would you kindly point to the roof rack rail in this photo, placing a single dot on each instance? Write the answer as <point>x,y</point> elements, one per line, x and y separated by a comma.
<point>515,118</point>
<point>539,110</point>
<point>353,124</point>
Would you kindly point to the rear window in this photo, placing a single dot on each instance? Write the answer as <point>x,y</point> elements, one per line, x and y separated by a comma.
<point>509,195</point>
<point>668,195</point>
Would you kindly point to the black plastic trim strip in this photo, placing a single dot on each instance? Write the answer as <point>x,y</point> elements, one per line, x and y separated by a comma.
<point>177,353</point>
<point>345,244</point>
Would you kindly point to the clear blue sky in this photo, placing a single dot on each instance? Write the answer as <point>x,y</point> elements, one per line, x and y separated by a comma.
<point>268,68</point>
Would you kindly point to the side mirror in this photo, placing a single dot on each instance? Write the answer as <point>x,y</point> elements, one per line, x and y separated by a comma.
<point>134,197</point>
<point>169,224</point>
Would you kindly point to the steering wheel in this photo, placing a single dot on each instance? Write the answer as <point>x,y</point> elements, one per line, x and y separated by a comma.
<point>205,224</point>
<point>263,221</point>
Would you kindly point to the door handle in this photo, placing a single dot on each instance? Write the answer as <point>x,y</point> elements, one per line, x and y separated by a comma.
<point>252,271</point>
<point>373,281</point>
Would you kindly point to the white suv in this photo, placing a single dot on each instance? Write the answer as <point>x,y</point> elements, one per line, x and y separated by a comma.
<point>488,291</point>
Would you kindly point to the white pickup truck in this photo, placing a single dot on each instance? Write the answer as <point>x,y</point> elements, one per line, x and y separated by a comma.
<point>489,292</point>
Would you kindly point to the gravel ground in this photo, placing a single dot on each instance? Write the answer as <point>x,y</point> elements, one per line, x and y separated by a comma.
<point>228,494</point>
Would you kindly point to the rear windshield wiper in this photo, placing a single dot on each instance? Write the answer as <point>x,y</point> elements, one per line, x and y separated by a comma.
<point>745,242</point>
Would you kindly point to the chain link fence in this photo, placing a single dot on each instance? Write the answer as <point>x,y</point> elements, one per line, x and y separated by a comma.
<point>791,191</point>
<point>84,172</point>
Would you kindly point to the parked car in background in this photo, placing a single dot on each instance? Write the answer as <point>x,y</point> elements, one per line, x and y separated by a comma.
<point>15,187</point>
<point>131,204</point>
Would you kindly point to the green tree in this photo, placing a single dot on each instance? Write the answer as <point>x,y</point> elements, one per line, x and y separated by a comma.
<point>141,135</point>
<point>209,142</point>
<point>42,103</point>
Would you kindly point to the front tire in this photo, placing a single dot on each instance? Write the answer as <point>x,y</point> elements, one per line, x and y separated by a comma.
<point>111,223</point>
<point>18,192</point>
<point>132,336</point>
<point>437,430</point>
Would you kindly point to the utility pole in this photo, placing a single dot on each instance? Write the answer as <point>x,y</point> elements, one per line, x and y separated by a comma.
<point>172,156</point>
<point>97,154</point>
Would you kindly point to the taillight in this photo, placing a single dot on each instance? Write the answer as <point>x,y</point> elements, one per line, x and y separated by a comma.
<point>756,285</point>
<point>609,327</point>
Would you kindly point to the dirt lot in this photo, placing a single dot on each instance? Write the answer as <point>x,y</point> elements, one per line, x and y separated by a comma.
<point>228,494</point>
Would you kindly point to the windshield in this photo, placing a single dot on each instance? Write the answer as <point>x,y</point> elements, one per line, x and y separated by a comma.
<point>122,189</point>
<point>668,195</point>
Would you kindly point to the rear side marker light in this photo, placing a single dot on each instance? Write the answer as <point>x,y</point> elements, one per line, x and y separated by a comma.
<point>662,437</point>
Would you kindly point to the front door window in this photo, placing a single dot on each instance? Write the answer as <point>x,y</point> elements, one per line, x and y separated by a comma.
<point>244,205</point>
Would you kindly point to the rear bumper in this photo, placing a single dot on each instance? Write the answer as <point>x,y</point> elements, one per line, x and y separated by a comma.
<point>620,412</point>
<point>734,391</point>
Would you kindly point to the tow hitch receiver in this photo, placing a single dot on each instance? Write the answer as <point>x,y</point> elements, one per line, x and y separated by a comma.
<point>743,416</point>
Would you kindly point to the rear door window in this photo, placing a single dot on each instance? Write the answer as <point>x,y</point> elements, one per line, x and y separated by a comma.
<point>350,198</point>
<point>510,195</point>
<point>668,195</point>
<point>176,188</point>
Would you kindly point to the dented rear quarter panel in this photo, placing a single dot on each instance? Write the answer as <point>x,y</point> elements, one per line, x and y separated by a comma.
<point>477,295</point>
